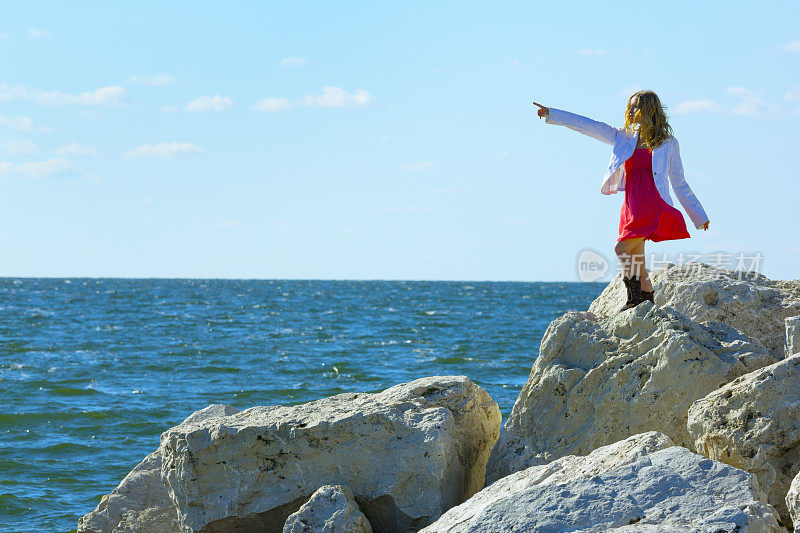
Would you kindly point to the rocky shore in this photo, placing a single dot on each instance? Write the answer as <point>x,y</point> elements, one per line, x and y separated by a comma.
<point>683,415</point>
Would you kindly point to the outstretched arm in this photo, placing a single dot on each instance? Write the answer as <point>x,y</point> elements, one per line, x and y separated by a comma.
<point>593,128</point>
<point>682,190</point>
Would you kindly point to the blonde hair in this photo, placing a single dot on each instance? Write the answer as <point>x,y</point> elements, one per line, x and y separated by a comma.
<point>652,121</point>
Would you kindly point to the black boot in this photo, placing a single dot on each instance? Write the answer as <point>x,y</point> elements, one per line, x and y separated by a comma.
<point>635,298</point>
<point>627,281</point>
<point>649,295</point>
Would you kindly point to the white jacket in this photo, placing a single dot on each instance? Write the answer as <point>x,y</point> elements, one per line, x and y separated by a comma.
<point>666,161</point>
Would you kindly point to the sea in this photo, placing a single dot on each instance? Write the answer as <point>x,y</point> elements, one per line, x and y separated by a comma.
<point>93,370</point>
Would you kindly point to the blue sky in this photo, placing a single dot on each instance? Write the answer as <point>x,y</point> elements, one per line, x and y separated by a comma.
<point>367,140</point>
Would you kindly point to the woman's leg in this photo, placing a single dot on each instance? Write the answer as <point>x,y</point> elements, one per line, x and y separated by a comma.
<point>638,255</point>
<point>626,252</point>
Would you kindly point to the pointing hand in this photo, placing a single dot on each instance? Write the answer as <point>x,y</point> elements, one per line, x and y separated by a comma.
<point>543,111</point>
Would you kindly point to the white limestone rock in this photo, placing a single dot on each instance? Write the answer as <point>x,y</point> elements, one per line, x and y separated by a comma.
<point>792,335</point>
<point>331,509</point>
<point>597,381</point>
<point>755,305</point>
<point>793,502</point>
<point>408,453</point>
<point>642,483</point>
<point>753,423</point>
<point>141,503</point>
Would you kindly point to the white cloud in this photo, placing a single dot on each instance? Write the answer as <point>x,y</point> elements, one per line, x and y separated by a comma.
<point>418,166</point>
<point>21,124</point>
<point>162,150</point>
<point>399,209</point>
<point>593,52</point>
<point>36,169</point>
<point>210,103</point>
<point>514,63</point>
<point>793,47</point>
<point>38,34</point>
<point>8,92</point>
<point>170,108</point>
<point>697,106</point>
<point>338,97</point>
<point>793,94</point>
<point>74,148</point>
<point>3,36</point>
<point>331,97</point>
<point>18,147</point>
<point>293,61</point>
<point>504,153</point>
<point>110,95</point>
<point>750,104</point>
<point>228,224</point>
<point>154,80</point>
<point>271,105</point>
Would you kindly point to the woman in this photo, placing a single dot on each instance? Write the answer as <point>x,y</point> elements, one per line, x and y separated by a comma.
<point>645,155</point>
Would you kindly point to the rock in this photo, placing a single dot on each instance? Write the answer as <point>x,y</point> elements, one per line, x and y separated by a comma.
<point>597,381</point>
<point>642,483</point>
<point>792,335</point>
<point>408,453</point>
<point>331,509</point>
<point>790,287</point>
<point>753,423</point>
<point>141,503</point>
<point>755,305</point>
<point>793,502</point>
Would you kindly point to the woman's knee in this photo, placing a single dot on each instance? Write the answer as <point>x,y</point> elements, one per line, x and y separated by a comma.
<point>623,248</point>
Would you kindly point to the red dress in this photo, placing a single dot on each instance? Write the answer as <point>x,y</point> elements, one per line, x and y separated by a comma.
<point>645,213</point>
